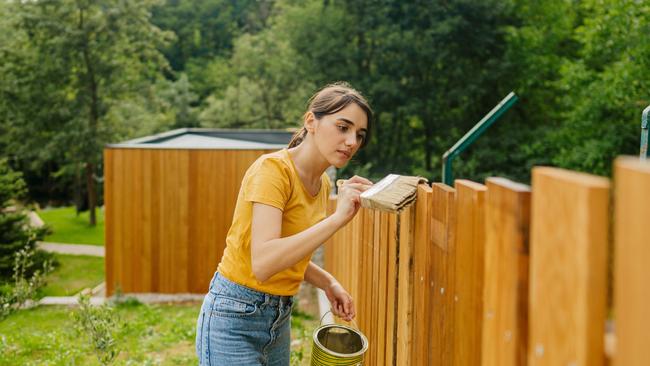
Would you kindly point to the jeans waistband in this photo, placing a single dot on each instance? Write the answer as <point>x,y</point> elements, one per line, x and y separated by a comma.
<point>244,292</point>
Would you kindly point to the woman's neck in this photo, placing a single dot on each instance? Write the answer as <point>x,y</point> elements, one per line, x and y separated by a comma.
<point>309,162</point>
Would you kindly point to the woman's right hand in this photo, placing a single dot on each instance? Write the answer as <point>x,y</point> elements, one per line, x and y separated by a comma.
<point>349,200</point>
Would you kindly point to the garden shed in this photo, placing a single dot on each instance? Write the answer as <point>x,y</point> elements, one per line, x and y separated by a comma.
<point>169,200</point>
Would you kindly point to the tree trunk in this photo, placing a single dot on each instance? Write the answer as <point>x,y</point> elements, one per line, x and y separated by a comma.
<point>92,192</point>
<point>93,119</point>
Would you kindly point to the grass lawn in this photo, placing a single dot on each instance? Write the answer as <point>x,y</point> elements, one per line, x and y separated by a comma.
<point>67,227</point>
<point>149,335</point>
<point>74,273</point>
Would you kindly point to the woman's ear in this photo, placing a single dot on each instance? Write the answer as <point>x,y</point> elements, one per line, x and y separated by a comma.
<point>309,121</point>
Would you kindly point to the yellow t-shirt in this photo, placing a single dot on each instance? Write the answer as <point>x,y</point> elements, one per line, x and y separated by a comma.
<point>273,180</point>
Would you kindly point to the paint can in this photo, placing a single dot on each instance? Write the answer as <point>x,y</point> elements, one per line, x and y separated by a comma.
<point>336,344</point>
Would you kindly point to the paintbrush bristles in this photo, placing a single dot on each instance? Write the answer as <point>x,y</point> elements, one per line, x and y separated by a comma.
<point>392,193</point>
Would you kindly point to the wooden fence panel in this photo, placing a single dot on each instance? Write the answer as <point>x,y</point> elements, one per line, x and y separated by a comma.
<point>441,284</point>
<point>569,231</point>
<point>469,271</point>
<point>505,323</point>
<point>632,269</point>
<point>363,256</point>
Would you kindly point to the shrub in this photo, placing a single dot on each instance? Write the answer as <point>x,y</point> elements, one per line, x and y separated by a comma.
<point>99,324</point>
<point>24,287</point>
<point>15,232</point>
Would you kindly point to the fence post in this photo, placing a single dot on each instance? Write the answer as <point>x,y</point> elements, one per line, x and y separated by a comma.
<point>441,284</point>
<point>569,232</point>
<point>421,269</point>
<point>505,322</point>
<point>632,269</point>
<point>469,260</point>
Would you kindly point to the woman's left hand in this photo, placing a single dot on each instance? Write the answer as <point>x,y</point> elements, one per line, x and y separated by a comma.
<point>341,301</point>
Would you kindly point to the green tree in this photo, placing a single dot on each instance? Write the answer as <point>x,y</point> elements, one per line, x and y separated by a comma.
<point>15,232</point>
<point>93,55</point>
<point>205,30</point>
<point>603,89</point>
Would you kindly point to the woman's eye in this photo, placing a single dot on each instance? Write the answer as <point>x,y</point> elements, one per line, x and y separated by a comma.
<point>342,128</point>
<point>361,137</point>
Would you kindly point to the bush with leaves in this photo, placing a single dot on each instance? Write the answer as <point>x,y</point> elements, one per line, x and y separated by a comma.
<point>24,287</point>
<point>99,324</point>
<point>15,232</point>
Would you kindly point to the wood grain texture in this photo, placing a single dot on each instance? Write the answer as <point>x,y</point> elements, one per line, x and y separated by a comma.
<point>505,323</point>
<point>422,277</point>
<point>441,284</point>
<point>405,286</point>
<point>632,268</point>
<point>167,216</point>
<point>469,272</point>
<point>569,230</point>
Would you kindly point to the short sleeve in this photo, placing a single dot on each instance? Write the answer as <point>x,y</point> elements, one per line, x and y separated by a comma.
<point>268,183</point>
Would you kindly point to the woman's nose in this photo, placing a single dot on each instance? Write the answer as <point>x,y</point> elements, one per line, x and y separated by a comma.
<point>351,141</point>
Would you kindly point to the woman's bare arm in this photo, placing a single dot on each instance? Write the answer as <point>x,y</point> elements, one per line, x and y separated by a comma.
<point>319,277</point>
<point>271,254</point>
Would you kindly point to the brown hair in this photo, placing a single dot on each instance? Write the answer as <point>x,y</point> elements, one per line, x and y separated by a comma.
<point>331,99</point>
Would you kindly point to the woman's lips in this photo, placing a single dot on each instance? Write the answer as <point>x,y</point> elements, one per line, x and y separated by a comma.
<point>344,153</point>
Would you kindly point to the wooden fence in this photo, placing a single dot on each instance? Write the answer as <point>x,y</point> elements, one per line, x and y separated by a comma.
<point>502,274</point>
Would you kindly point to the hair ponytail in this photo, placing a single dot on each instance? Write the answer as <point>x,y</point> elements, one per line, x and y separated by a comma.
<point>298,137</point>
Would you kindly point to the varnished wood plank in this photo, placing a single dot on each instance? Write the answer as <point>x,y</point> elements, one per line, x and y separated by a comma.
<point>382,284</point>
<point>391,291</point>
<point>109,223</point>
<point>405,287</point>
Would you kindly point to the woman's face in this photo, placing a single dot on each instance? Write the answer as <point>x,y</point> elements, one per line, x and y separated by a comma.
<point>339,135</point>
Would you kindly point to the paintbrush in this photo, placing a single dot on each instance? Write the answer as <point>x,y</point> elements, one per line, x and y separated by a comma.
<point>392,193</point>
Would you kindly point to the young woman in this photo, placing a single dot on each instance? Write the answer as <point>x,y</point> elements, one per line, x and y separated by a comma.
<point>279,220</point>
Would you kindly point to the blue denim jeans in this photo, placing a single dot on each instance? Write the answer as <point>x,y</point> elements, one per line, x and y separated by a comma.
<point>241,326</point>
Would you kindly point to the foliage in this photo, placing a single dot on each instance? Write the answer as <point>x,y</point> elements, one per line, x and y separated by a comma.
<point>302,327</point>
<point>24,286</point>
<point>75,60</point>
<point>99,324</point>
<point>431,70</point>
<point>16,234</point>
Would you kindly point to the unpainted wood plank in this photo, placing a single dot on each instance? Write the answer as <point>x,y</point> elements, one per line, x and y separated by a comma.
<point>505,322</point>
<point>441,284</point>
<point>420,332</point>
<point>632,267</point>
<point>569,230</point>
<point>469,271</point>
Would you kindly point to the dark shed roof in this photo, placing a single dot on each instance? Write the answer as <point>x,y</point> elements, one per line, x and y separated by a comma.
<point>206,138</point>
